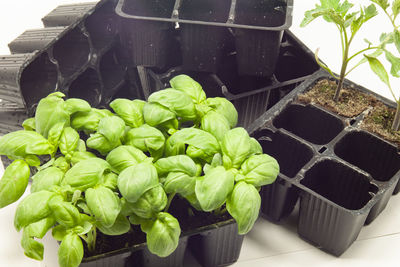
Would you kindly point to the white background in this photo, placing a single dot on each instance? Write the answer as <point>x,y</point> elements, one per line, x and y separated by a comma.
<point>267,244</point>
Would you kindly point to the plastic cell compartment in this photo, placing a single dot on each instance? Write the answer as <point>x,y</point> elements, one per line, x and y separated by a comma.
<point>335,206</point>
<point>257,49</point>
<point>279,198</point>
<point>310,123</point>
<point>375,156</point>
<point>205,33</point>
<point>87,86</point>
<point>66,15</point>
<point>217,247</point>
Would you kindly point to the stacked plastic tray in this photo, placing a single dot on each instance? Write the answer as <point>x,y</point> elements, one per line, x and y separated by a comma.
<point>343,175</point>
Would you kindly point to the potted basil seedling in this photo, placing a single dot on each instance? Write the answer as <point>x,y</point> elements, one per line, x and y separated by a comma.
<point>141,172</point>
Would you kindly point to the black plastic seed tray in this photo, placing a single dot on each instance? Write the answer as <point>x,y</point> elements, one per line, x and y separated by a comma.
<point>77,53</point>
<point>343,176</point>
<point>206,30</point>
<point>252,96</point>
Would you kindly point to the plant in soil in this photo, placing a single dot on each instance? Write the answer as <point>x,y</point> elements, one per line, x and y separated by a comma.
<point>348,24</point>
<point>99,171</point>
<point>389,38</point>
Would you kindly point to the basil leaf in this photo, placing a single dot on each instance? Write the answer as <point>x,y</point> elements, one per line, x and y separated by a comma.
<point>73,105</point>
<point>32,248</point>
<point>62,164</point>
<point>131,111</point>
<point>146,138</point>
<point>29,124</point>
<point>86,173</point>
<point>69,141</point>
<point>120,226</point>
<point>260,170</point>
<point>244,205</point>
<point>216,124</point>
<point>236,147</point>
<point>78,156</point>
<point>180,183</point>
<point>47,178</point>
<point>189,86</point>
<point>224,107</point>
<point>55,134</point>
<point>134,181</point>
<point>110,180</point>
<point>20,143</point>
<point>32,208</point>
<point>14,182</point>
<point>163,235</point>
<point>40,228</point>
<point>88,121</point>
<point>179,163</point>
<point>100,143</point>
<point>123,157</point>
<point>213,188</point>
<point>255,146</point>
<point>104,204</point>
<point>155,114</point>
<point>150,203</point>
<point>70,252</point>
<point>49,112</point>
<point>197,138</point>
<point>65,213</point>
<point>112,128</point>
<point>176,101</point>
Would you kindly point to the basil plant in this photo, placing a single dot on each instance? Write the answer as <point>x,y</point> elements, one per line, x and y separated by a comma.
<point>98,170</point>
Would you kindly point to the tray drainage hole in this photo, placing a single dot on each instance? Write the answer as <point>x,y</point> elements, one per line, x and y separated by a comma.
<point>353,121</point>
<point>322,150</point>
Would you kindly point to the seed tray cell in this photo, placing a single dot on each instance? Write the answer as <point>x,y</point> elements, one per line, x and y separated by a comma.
<point>346,177</point>
<point>206,30</point>
<point>66,15</point>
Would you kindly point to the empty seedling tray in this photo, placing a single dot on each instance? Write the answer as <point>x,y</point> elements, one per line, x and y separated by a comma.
<point>206,30</point>
<point>343,175</point>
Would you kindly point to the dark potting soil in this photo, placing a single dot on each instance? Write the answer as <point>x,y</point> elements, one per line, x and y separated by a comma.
<point>189,219</point>
<point>352,103</point>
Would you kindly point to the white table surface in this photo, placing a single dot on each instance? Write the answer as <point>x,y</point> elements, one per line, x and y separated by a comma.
<point>267,244</point>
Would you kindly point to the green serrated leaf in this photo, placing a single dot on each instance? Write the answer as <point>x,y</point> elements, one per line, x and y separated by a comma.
<point>378,69</point>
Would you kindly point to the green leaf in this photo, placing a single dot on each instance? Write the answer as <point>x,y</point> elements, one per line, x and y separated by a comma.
<point>32,248</point>
<point>189,86</point>
<point>88,121</point>
<point>384,4</point>
<point>224,107</point>
<point>70,252</point>
<point>86,173</point>
<point>64,212</point>
<point>55,134</point>
<point>100,143</point>
<point>179,163</point>
<point>50,111</point>
<point>73,105</point>
<point>120,226</point>
<point>260,170</point>
<point>396,37</point>
<point>213,188</point>
<point>150,203</point>
<point>78,156</point>
<point>104,204</point>
<point>131,111</point>
<point>32,208</point>
<point>47,178</point>
<point>20,143</point>
<point>14,182</point>
<point>395,61</point>
<point>197,138</point>
<point>236,147</point>
<point>180,183</point>
<point>216,124</point>
<point>146,138</point>
<point>134,181</point>
<point>59,232</point>
<point>110,180</point>
<point>369,12</point>
<point>244,205</point>
<point>255,146</point>
<point>155,114</point>
<point>112,128</point>
<point>176,101</point>
<point>40,228</point>
<point>62,164</point>
<point>123,157</point>
<point>163,235</point>
<point>69,141</point>
<point>29,124</point>
<point>378,69</point>
<point>396,8</point>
